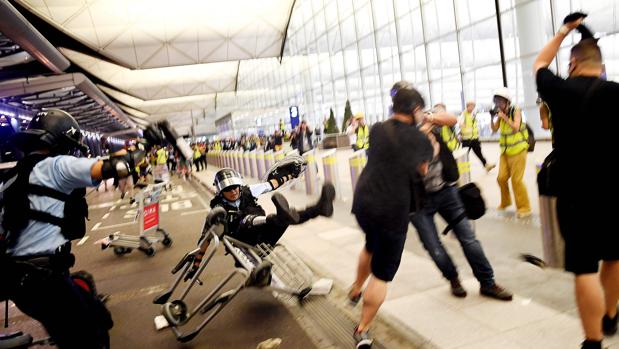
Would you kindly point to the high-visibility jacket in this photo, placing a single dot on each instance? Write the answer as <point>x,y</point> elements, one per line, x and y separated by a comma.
<point>449,137</point>
<point>162,157</point>
<point>363,137</point>
<point>469,130</point>
<point>513,142</point>
<point>196,153</point>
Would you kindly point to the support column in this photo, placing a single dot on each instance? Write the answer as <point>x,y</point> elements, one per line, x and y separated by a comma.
<point>531,39</point>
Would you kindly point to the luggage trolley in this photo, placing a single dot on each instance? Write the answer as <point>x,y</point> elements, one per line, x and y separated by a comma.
<point>262,266</point>
<point>150,231</point>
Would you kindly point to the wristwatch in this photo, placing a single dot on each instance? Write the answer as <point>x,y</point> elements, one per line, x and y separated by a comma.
<point>564,30</point>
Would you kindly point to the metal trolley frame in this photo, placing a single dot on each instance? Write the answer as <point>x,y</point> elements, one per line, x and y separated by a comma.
<point>150,231</point>
<point>263,266</point>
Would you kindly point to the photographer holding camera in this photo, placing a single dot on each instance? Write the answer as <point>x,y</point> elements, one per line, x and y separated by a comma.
<point>437,193</point>
<point>584,176</point>
<point>513,141</point>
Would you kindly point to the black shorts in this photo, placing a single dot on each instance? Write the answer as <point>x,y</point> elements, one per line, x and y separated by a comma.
<point>590,235</point>
<point>386,246</point>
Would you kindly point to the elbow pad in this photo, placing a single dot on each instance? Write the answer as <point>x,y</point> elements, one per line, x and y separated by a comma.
<point>280,180</point>
<point>115,167</point>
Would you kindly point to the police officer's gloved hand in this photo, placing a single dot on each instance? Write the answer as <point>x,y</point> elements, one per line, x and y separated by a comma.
<point>294,169</point>
<point>191,272</point>
<point>290,166</point>
<point>134,157</point>
<point>195,266</point>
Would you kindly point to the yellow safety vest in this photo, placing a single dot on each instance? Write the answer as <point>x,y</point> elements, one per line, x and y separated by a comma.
<point>513,142</point>
<point>449,137</point>
<point>161,157</point>
<point>469,130</point>
<point>196,153</point>
<point>363,137</point>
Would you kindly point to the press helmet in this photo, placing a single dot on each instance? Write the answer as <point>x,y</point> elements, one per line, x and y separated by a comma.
<point>56,130</point>
<point>502,92</point>
<point>227,177</point>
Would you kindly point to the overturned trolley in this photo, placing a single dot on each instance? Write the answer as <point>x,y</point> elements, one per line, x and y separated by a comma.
<point>150,231</point>
<point>262,266</point>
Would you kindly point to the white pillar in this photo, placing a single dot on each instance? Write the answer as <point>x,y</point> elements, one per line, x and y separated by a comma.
<point>531,38</point>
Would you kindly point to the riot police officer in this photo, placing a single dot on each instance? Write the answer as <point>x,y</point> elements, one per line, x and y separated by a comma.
<point>43,209</point>
<point>247,220</point>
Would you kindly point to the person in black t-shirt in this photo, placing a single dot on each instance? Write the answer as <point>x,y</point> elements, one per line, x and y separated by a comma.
<point>397,155</point>
<point>586,176</point>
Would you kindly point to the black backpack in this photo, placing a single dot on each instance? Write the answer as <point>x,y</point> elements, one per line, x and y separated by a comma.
<point>530,139</point>
<point>474,205</point>
<point>17,212</point>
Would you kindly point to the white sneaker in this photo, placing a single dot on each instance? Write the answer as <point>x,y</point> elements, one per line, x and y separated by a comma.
<point>523,214</point>
<point>489,167</point>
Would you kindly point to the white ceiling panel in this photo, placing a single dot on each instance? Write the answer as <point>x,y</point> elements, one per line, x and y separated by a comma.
<point>63,11</point>
<point>174,56</point>
<point>158,59</point>
<point>207,25</point>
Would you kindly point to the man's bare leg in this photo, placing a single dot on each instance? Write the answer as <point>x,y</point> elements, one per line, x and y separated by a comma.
<point>610,282</point>
<point>590,300</point>
<point>373,298</point>
<point>363,272</point>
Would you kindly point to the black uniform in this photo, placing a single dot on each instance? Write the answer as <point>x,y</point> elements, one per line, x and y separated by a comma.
<point>269,233</point>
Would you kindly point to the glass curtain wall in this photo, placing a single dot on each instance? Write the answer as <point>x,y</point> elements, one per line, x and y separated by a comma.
<point>354,50</point>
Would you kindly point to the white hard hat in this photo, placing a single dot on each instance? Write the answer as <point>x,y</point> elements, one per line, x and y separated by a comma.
<point>502,92</point>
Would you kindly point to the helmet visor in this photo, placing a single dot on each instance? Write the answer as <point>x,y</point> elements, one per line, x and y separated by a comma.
<point>226,179</point>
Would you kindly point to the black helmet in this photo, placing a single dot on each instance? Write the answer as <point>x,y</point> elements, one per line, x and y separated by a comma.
<point>227,177</point>
<point>53,129</point>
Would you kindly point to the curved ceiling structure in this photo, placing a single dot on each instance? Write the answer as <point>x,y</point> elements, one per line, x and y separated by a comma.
<point>159,33</point>
<point>33,78</point>
<point>159,58</point>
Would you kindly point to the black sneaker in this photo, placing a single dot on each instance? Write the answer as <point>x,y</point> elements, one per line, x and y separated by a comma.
<point>324,206</point>
<point>609,326</point>
<point>285,215</point>
<point>457,289</point>
<point>362,339</point>
<point>589,344</point>
<point>496,292</point>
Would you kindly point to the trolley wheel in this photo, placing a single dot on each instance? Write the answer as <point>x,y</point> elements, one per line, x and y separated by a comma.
<point>167,242</point>
<point>119,250</point>
<point>150,251</point>
<point>175,312</point>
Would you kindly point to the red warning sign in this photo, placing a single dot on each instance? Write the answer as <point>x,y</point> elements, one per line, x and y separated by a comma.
<point>151,216</point>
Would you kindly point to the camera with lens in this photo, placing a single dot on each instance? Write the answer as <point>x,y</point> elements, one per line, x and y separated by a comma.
<point>494,111</point>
